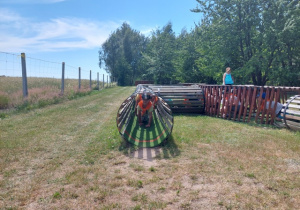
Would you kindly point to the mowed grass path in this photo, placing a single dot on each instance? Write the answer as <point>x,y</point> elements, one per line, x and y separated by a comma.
<point>71,156</point>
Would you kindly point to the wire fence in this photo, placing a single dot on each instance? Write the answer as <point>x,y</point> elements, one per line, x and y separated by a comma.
<point>22,77</point>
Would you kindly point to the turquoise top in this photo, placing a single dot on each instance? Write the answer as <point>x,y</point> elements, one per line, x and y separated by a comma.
<point>228,79</point>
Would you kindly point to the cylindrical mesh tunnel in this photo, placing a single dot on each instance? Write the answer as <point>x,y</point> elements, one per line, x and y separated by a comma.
<point>178,98</point>
<point>291,113</point>
<point>128,126</point>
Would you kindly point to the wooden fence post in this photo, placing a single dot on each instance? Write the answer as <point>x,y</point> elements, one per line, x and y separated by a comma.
<point>231,100</point>
<point>276,99</point>
<point>264,105</point>
<point>90,79</point>
<point>208,101</point>
<point>63,78</point>
<point>24,75</point>
<point>270,109</point>
<point>219,99</point>
<point>98,81</point>
<point>247,99</point>
<point>252,107</point>
<point>259,102</point>
<point>242,102</point>
<point>79,78</point>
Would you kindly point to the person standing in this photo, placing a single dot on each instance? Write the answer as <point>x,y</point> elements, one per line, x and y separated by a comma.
<point>227,77</point>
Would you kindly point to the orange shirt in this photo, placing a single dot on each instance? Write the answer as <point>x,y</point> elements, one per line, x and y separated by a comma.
<point>144,109</point>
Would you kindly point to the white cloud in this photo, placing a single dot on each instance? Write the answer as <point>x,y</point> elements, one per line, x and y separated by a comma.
<point>147,31</point>
<point>22,34</point>
<point>8,16</point>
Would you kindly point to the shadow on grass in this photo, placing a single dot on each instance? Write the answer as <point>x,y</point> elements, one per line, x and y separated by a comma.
<point>252,123</point>
<point>168,149</point>
<point>188,114</point>
<point>258,124</point>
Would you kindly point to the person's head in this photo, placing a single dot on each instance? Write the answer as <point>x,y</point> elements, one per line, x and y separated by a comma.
<point>228,70</point>
<point>146,98</point>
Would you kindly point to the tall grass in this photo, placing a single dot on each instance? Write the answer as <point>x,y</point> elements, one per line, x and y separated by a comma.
<point>41,91</point>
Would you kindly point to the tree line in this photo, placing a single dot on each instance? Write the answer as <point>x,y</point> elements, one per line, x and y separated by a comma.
<point>258,39</point>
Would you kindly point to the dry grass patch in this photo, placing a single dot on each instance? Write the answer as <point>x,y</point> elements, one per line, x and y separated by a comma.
<point>41,92</point>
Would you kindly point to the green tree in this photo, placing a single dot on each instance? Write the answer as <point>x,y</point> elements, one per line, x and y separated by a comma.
<point>286,25</point>
<point>160,55</point>
<point>209,61</point>
<point>190,62</point>
<point>253,37</point>
<point>122,54</point>
<point>186,55</point>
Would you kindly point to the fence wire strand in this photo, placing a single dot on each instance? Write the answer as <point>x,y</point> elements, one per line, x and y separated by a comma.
<point>43,74</point>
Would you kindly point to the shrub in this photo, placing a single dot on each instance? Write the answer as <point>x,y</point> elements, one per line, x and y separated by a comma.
<point>24,106</point>
<point>3,115</point>
<point>4,101</point>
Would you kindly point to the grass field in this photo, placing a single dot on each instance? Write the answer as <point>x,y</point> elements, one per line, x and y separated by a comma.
<point>40,91</point>
<point>71,156</point>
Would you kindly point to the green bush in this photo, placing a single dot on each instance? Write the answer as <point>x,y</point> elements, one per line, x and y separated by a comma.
<point>3,115</point>
<point>43,103</point>
<point>4,100</point>
<point>24,106</point>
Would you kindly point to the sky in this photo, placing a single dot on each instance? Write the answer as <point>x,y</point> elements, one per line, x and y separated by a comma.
<point>72,31</point>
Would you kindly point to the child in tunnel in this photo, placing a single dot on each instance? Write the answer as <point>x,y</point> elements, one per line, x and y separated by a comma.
<point>144,110</point>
